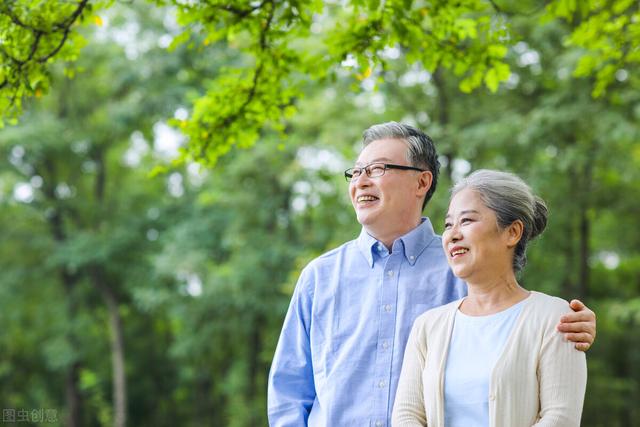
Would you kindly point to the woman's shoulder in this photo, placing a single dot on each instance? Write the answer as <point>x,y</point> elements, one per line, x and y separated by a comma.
<point>436,315</point>
<point>545,303</point>
<point>431,328</point>
<point>546,309</point>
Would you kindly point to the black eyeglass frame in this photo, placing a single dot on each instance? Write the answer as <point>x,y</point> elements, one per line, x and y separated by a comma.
<point>348,174</point>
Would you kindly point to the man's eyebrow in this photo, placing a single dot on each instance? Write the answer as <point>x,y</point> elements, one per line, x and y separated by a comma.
<point>376,160</point>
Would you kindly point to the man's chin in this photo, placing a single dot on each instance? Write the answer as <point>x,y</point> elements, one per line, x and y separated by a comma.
<point>365,219</point>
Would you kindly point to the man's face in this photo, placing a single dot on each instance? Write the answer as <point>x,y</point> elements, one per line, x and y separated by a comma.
<point>389,204</point>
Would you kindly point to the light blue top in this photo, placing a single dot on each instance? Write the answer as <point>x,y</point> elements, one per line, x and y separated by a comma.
<point>475,346</point>
<point>340,351</point>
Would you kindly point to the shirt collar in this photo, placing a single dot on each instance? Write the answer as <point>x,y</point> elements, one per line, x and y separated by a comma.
<point>412,244</point>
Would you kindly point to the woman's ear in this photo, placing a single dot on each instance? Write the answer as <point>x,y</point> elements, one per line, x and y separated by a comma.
<point>514,233</point>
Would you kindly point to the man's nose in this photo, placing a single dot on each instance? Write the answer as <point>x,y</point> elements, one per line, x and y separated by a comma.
<point>363,180</point>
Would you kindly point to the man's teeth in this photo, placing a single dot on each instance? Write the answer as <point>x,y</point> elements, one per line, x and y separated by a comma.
<point>459,251</point>
<point>366,198</point>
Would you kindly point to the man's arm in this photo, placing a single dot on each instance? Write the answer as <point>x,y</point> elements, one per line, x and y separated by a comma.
<point>291,388</point>
<point>579,326</point>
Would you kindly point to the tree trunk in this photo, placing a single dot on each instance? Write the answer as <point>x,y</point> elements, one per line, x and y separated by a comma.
<point>568,290</point>
<point>585,224</point>
<point>73,395</point>
<point>116,341</point>
<point>69,280</point>
<point>74,399</point>
<point>255,346</point>
<point>72,389</point>
<point>571,287</point>
<point>585,254</point>
<point>443,119</point>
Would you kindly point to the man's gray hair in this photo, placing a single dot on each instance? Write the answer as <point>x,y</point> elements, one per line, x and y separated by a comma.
<point>511,199</point>
<point>421,153</point>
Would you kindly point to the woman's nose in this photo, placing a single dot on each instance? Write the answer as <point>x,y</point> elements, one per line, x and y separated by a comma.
<point>454,233</point>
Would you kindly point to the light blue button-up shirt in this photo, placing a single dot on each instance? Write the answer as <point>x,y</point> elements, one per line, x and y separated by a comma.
<point>341,347</point>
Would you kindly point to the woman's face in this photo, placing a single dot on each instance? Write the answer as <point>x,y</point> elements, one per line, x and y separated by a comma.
<point>477,249</point>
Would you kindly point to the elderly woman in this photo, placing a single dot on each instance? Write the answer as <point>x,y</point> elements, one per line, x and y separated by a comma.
<point>495,357</point>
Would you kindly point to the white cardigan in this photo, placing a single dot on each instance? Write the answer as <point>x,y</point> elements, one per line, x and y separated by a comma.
<point>538,380</point>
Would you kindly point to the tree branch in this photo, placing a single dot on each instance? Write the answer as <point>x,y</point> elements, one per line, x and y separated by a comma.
<point>72,18</point>
<point>263,44</point>
<point>532,12</point>
<point>267,27</point>
<point>14,18</point>
<point>232,117</point>
<point>239,12</point>
<point>64,27</point>
<point>45,58</point>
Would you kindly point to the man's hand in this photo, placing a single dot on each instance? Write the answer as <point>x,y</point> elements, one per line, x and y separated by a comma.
<point>579,326</point>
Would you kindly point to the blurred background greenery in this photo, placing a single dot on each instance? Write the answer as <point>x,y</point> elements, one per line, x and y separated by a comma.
<point>164,294</point>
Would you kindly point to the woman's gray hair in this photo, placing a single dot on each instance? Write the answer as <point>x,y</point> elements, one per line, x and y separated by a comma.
<point>421,153</point>
<point>511,199</point>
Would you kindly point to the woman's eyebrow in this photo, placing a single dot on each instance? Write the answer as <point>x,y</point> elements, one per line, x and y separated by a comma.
<point>468,211</point>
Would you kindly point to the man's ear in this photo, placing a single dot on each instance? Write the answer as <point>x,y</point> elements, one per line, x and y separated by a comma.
<point>424,183</point>
<point>514,233</point>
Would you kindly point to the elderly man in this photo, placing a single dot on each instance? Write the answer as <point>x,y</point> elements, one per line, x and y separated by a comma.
<point>341,347</point>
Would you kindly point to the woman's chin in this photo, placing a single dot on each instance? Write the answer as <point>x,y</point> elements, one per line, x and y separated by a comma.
<point>460,272</point>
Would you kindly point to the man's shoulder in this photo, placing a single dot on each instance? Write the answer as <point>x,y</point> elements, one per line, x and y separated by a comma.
<point>435,245</point>
<point>323,268</point>
<point>329,258</point>
<point>433,258</point>
<point>332,257</point>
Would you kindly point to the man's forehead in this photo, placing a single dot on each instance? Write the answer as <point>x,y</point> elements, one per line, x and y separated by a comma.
<point>362,162</point>
<point>383,150</point>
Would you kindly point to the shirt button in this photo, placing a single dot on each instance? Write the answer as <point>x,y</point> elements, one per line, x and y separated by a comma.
<point>387,308</point>
<point>492,397</point>
<point>412,257</point>
<point>385,344</point>
<point>390,273</point>
<point>382,384</point>
<point>379,247</point>
<point>379,423</point>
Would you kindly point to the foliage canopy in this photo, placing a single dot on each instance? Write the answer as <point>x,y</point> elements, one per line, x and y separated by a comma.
<point>283,45</point>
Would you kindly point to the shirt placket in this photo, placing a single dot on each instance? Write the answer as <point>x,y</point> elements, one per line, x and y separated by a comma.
<point>387,320</point>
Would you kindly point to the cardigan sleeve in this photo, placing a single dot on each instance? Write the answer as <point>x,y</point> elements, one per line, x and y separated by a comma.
<point>562,376</point>
<point>408,409</point>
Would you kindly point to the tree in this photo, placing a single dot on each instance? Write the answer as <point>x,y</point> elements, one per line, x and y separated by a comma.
<point>69,157</point>
<point>278,51</point>
<point>33,37</point>
<point>200,263</point>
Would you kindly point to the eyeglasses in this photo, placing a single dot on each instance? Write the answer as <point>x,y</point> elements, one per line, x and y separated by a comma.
<point>375,170</point>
